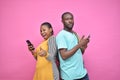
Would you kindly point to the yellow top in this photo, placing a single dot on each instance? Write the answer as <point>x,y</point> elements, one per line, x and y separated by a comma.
<point>43,66</point>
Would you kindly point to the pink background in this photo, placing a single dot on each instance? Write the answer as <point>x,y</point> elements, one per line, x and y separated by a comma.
<point>20,20</point>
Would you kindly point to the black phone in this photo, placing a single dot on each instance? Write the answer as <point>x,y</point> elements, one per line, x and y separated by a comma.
<point>29,44</point>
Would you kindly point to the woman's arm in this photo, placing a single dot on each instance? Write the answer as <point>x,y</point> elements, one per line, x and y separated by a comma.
<point>32,50</point>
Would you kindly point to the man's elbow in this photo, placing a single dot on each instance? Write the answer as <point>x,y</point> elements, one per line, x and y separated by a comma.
<point>64,57</point>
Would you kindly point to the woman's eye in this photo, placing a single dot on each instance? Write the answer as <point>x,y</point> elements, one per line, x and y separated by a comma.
<point>44,30</point>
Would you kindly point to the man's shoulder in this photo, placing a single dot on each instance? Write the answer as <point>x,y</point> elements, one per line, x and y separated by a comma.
<point>60,35</point>
<point>61,32</point>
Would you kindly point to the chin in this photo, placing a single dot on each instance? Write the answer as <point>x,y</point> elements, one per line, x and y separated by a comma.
<point>70,27</point>
<point>45,38</point>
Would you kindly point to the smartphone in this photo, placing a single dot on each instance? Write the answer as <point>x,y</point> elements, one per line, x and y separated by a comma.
<point>29,44</point>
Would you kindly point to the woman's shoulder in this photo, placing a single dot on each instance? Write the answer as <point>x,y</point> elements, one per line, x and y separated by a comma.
<point>52,38</point>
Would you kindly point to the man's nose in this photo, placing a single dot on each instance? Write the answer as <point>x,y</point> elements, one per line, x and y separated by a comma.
<point>70,21</point>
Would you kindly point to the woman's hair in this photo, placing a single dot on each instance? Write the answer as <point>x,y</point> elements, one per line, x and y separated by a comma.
<point>48,25</point>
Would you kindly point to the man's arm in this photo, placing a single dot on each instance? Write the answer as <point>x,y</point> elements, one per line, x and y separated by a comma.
<point>68,53</point>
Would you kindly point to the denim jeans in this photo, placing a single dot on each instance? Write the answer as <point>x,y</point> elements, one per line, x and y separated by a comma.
<point>86,77</point>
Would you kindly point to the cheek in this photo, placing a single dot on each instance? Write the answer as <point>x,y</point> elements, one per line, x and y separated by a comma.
<point>40,32</point>
<point>67,22</point>
<point>49,33</point>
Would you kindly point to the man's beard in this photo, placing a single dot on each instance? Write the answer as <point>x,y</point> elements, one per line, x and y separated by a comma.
<point>70,26</point>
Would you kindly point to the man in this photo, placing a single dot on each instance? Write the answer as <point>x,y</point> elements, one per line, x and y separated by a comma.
<point>70,50</point>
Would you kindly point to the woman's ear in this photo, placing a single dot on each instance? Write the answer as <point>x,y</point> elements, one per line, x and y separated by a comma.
<point>51,30</point>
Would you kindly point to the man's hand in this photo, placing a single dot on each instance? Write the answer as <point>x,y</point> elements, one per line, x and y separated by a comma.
<point>83,43</point>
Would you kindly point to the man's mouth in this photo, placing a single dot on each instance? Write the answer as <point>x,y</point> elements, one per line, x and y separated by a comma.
<point>70,25</point>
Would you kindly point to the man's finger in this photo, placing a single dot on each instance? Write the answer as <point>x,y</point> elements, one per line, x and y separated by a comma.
<point>88,36</point>
<point>82,37</point>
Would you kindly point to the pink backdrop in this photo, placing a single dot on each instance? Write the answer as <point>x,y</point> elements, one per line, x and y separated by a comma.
<point>20,20</point>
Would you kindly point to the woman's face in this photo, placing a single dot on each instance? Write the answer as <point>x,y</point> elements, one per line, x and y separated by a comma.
<point>45,31</point>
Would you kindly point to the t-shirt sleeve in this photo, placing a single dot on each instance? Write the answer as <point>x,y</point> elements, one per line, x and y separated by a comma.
<point>61,42</point>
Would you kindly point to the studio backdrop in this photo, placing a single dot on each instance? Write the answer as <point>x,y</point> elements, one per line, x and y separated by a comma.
<point>20,20</point>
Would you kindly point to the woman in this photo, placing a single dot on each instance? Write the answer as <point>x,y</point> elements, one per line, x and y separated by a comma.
<point>45,54</point>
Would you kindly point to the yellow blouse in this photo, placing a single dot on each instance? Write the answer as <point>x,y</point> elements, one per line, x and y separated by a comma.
<point>43,66</point>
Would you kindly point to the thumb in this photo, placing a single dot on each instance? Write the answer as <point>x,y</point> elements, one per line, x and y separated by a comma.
<point>41,48</point>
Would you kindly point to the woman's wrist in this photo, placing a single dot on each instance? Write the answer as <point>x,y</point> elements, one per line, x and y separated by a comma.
<point>32,51</point>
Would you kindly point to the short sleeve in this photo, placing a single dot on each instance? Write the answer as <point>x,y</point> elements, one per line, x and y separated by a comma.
<point>61,42</point>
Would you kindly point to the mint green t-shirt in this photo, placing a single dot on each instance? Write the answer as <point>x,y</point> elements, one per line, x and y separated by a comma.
<point>73,67</point>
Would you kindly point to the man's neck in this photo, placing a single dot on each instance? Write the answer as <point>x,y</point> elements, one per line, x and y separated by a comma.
<point>69,30</point>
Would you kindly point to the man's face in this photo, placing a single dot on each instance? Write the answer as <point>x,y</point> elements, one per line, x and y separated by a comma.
<point>68,21</point>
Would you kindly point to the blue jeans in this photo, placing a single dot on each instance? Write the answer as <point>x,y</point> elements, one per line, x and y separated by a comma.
<point>86,77</point>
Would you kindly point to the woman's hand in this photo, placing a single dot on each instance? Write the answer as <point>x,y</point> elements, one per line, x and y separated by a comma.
<point>31,47</point>
<point>42,52</point>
